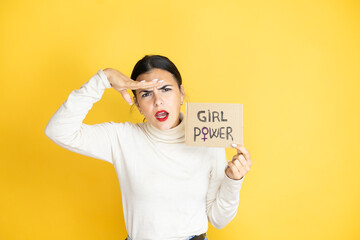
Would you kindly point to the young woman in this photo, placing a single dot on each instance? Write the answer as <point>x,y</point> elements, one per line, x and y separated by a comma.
<point>169,190</point>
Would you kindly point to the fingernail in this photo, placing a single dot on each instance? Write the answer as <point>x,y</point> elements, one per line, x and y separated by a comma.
<point>233,145</point>
<point>154,80</point>
<point>142,81</point>
<point>160,81</point>
<point>129,100</point>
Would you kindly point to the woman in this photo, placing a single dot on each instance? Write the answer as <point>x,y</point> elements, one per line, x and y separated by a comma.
<point>169,190</point>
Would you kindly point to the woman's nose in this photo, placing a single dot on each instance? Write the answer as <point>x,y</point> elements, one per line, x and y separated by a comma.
<point>157,99</point>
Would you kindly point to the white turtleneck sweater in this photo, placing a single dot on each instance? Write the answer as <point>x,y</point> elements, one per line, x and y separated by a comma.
<point>169,190</point>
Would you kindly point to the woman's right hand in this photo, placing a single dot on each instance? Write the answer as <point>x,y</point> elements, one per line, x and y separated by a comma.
<point>121,83</point>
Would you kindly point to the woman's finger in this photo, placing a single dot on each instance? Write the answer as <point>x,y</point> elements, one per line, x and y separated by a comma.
<point>133,85</point>
<point>235,171</point>
<point>243,162</point>
<point>242,150</point>
<point>126,96</point>
<point>237,164</point>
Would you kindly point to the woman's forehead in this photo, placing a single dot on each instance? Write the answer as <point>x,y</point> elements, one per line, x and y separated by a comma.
<point>156,73</point>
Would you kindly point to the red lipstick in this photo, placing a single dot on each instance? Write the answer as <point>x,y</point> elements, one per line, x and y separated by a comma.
<point>162,115</point>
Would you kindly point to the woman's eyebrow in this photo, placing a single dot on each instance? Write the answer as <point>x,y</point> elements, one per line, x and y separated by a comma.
<point>165,86</point>
<point>145,91</point>
<point>162,87</point>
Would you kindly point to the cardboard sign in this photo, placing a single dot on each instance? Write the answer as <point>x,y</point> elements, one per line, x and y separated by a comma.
<point>213,124</point>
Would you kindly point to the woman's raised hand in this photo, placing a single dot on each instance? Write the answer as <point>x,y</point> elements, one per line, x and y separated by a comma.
<point>240,163</point>
<point>121,83</point>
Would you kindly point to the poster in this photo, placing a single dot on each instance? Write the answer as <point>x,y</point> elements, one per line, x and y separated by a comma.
<point>213,124</point>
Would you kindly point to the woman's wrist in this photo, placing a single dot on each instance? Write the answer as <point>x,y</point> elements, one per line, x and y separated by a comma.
<point>108,74</point>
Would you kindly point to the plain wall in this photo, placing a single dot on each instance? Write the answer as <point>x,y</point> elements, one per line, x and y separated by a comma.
<point>294,65</point>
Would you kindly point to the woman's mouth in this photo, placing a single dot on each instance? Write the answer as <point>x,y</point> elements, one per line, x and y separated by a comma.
<point>162,115</point>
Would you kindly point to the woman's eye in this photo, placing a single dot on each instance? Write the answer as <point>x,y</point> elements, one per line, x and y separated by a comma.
<point>167,89</point>
<point>145,94</point>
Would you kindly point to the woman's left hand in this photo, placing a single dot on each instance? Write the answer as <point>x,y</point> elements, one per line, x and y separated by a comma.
<point>240,163</point>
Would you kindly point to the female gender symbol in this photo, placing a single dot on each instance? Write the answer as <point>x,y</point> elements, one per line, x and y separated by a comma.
<point>205,133</point>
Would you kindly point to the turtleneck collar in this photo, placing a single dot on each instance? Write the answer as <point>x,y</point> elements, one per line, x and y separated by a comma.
<point>173,135</point>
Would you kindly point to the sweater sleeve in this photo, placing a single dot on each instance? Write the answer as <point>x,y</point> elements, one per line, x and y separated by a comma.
<point>223,194</point>
<point>66,129</point>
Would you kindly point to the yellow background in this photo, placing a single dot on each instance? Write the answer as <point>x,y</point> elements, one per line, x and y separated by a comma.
<point>295,65</point>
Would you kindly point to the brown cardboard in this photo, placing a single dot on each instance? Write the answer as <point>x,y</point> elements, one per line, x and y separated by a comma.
<point>213,124</point>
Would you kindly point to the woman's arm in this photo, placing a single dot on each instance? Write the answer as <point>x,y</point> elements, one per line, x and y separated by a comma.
<point>224,192</point>
<point>66,127</point>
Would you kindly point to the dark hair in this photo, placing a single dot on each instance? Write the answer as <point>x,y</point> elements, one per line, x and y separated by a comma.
<point>150,62</point>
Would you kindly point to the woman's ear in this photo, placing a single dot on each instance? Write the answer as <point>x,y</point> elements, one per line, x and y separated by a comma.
<point>137,105</point>
<point>182,93</point>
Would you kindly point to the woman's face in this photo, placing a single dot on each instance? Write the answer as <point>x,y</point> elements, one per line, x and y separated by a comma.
<point>160,105</point>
